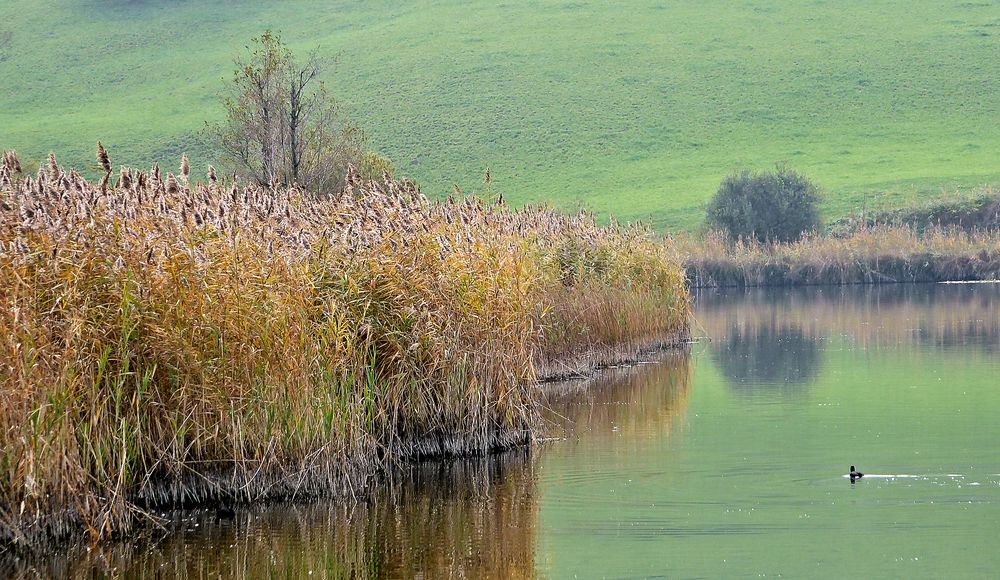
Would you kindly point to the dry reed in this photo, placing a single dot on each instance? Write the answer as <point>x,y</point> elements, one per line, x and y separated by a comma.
<point>164,342</point>
<point>882,254</point>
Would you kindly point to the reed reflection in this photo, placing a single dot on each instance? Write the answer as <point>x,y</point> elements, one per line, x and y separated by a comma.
<point>634,402</point>
<point>872,317</point>
<point>463,519</point>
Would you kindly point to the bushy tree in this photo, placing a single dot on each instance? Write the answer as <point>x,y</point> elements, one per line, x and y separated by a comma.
<point>282,125</point>
<point>776,206</point>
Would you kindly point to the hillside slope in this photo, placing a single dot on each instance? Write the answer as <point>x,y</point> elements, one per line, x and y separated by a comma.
<point>636,111</point>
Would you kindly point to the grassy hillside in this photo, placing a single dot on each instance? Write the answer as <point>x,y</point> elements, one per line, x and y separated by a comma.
<point>638,111</point>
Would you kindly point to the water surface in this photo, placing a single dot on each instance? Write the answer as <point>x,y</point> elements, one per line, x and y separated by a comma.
<point>728,461</point>
<point>789,389</point>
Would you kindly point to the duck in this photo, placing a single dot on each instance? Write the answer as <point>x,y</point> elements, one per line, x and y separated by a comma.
<point>855,474</point>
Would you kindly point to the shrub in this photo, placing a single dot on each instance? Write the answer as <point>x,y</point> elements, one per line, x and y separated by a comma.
<point>776,206</point>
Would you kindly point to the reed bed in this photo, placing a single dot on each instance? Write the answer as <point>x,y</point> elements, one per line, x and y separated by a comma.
<point>166,342</point>
<point>881,254</point>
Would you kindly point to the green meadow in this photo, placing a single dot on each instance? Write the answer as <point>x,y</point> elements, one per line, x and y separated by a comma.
<point>637,110</point>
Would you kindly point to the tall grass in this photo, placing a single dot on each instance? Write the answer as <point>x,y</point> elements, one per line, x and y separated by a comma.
<point>880,254</point>
<point>167,342</point>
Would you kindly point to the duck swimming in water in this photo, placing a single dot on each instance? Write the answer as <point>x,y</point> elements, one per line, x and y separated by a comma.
<point>855,474</point>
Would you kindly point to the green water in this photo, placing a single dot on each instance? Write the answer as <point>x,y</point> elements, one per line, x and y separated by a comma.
<point>794,387</point>
<point>727,461</point>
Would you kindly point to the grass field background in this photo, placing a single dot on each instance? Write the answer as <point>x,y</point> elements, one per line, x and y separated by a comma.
<point>637,110</point>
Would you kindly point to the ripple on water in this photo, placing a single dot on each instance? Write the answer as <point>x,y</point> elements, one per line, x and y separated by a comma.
<point>658,528</point>
<point>927,476</point>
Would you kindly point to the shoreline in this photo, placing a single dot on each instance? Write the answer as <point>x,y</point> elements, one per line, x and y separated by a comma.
<point>586,364</point>
<point>918,269</point>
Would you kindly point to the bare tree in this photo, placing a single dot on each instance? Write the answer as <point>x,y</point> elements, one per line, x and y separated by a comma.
<point>282,125</point>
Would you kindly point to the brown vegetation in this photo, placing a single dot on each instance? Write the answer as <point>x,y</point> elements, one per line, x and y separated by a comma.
<point>164,342</point>
<point>882,254</point>
<point>420,522</point>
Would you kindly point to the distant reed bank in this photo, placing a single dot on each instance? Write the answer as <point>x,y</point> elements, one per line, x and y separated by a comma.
<point>167,342</point>
<point>872,255</point>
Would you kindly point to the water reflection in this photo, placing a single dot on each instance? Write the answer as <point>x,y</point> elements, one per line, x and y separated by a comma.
<point>611,439</point>
<point>767,357</point>
<point>772,339</point>
<point>890,315</point>
<point>464,519</point>
<point>641,401</point>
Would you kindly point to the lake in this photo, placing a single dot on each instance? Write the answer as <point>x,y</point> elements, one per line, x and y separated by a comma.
<point>725,461</point>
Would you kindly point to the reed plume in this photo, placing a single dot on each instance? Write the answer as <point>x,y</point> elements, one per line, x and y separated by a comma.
<point>103,159</point>
<point>11,161</point>
<point>54,173</point>
<point>172,186</point>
